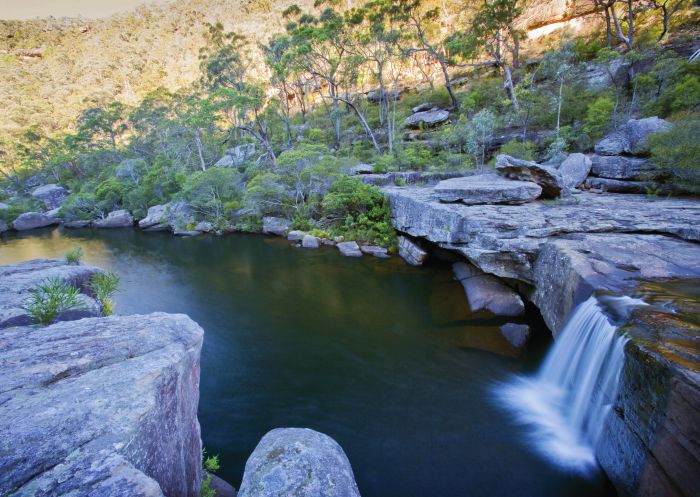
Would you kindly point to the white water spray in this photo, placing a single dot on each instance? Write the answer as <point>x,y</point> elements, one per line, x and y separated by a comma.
<point>567,402</point>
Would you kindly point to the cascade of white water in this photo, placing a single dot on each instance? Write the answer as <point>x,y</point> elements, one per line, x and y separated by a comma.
<point>567,401</point>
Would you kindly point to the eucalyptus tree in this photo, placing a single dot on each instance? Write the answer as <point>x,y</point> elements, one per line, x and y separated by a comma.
<point>279,62</point>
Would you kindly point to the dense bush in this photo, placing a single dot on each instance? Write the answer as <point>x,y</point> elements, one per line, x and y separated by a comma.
<point>521,150</point>
<point>676,153</point>
<point>598,117</point>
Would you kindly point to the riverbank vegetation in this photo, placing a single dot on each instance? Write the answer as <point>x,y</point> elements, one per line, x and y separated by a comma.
<point>274,127</point>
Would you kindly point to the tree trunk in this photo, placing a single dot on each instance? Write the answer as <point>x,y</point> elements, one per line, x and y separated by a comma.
<point>561,88</point>
<point>363,121</point>
<point>448,84</point>
<point>510,87</point>
<point>198,141</point>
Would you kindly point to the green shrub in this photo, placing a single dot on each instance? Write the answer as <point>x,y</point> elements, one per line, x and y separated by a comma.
<point>74,255</point>
<point>18,206</point>
<point>676,153</point>
<point>104,286</point>
<point>520,150</point>
<point>80,206</point>
<point>50,298</point>
<point>598,117</point>
<point>209,465</point>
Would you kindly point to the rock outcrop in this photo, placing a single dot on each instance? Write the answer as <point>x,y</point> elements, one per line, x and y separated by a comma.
<point>33,220</point>
<point>115,219</point>
<point>545,176</point>
<point>486,189</point>
<point>427,118</point>
<point>51,195</point>
<point>237,156</point>
<point>101,406</point>
<point>167,217</point>
<point>298,462</point>
<point>632,137</point>
<point>411,252</point>
<point>485,291</point>
<point>276,226</point>
<point>17,281</point>
<point>620,167</point>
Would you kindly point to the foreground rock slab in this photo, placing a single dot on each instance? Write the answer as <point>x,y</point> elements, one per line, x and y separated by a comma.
<point>298,462</point>
<point>101,406</point>
<point>487,189</point>
<point>17,280</point>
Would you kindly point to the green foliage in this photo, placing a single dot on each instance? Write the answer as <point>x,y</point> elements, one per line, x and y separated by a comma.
<point>213,192</point>
<point>210,465</point>
<point>518,149</point>
<point>74,255</point>
<point>676,153</point>
<point>80,206</point>
<point>598,117</point>
<point>358,211</point>
<point>50,298</point>
<point>18,206</point>
<point>104,286</point>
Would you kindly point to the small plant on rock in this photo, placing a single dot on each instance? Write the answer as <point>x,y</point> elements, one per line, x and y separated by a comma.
<point>74,255</point>
<point>104,286</point>
<point>209,465</point>
<point>50,298</point>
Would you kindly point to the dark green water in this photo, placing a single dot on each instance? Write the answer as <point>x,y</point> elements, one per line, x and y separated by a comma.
<point>383,357</point>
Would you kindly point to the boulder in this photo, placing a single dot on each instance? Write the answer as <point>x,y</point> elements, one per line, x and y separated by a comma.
<point>375,251</point>
<point>296,235</point>
<point>411,252</point>
<point>619,186</point>
<point>204,227</point>
<point>51,195</point>
<point>276,226</point>
<point>423,107</point>
<point>101,406</point>
<point>298,462</point>
<point>621,167</point>
<point>547,177</point>
<point>361,169</point>
<point>16,281</point>
<point>115,219</point>
<point>574,170</point>
<point>427,118</point>
<point>221,487</point>
<point>349,249</point>
<point>310,242</point>
<point>632,137</point>
<point>168,217</point>
<point>516,334</point>
<point>485,291</point>
<point>33,220</point>
<point>486,189</point>
<point>77,224</point>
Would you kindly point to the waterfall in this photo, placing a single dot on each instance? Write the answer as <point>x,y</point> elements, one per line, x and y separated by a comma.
<point>567,401</point>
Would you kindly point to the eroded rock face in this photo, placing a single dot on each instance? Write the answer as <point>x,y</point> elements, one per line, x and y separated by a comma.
<point>52,195</point>
<point>115,219</point>
<point>411,252</point>
<point>276,226</point>
<point>33,220</point>
<point>16,281</point>
<point>545,176</point>
<point>620,167</point>
<point>298,462</point>
<point>486,189</point>
<point>485,291</point>
<point>101,406</point>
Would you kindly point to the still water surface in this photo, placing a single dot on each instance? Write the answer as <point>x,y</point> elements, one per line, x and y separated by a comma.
<point>383,357</point>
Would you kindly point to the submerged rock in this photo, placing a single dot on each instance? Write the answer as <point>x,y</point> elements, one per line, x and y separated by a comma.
<point>51,195</point>
<point>486,189</point>
<point>276,226</point>
<point>349,249</point>
<point>33,220</point>
<point>17,280</point>
<point>411,252</point>
<point>101,406</point>
<point>516,334</point>
<point>547,177</point>
<point>375,251</point>
<point>310,242</point>
<point>77,224</point>
<point>485,291</point>
<point>115,219</point>
<point>298,462</point>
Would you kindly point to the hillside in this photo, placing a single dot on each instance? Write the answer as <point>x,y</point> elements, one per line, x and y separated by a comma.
<point>51,69</point>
